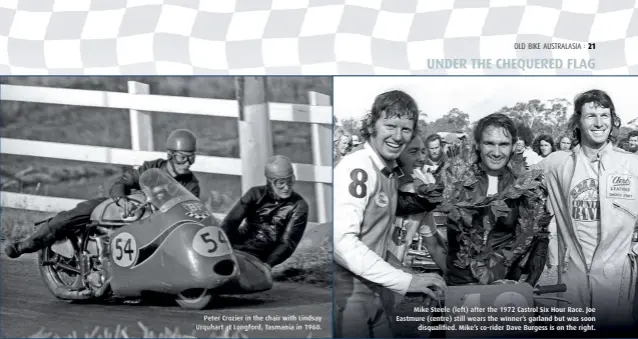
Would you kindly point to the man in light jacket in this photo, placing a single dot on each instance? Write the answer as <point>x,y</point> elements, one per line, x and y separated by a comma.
<point>593,192</point>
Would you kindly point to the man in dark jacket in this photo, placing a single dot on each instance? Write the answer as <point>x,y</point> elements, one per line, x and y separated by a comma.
<point>269,221</point>
<point>494,136</point>
<point>180,145</point>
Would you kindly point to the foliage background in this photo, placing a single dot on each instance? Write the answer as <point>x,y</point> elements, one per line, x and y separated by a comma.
<point>547,116</point>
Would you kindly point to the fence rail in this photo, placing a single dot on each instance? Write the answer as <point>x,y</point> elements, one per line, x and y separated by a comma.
<point>161,103</point>
<point>139,103</point>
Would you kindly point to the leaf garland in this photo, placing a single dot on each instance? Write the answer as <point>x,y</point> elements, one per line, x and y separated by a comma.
<point>473,216</point>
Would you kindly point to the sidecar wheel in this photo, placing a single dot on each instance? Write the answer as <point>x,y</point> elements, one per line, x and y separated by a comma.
<point>194,299</point>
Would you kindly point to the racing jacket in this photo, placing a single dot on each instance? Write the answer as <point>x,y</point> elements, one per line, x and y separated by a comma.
<point>131,180</point>
<point>608,283</point>
<point>365,201</point>
<point>265,226</point>
<point>502,231</point>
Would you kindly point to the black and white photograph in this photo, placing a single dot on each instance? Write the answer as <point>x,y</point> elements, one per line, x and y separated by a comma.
<point>485,206</point>
<point>166,206</point>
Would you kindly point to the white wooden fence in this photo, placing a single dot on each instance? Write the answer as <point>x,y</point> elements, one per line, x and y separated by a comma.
<point>140,103</point>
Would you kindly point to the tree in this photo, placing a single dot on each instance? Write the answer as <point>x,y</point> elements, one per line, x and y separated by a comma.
<point>453,121</point>
<point>549,117</point>
<point>350,125</point>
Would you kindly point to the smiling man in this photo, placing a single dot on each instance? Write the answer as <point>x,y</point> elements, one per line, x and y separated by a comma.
<point>494,136</point>
<point>593,191</point>
<point>407,225</point>
<point>365,203</point>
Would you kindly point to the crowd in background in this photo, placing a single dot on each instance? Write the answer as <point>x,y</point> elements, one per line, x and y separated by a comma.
<point>528,148</point>
<point>532,148</point>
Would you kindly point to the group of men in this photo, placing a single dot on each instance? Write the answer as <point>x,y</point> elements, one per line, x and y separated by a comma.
<point>266,223</point>
<point>592,193</point>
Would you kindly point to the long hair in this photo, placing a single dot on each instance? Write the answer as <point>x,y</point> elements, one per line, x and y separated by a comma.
<point>563,136</point>
<point>599,98</point>
<point>523,133</point>
<point>392,104</point>
<point>536,145</point>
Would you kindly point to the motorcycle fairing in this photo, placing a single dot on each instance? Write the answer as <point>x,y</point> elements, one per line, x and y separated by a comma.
<point>172,252</point>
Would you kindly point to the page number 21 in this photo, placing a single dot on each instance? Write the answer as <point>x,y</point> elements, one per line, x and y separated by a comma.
<point>591,45</point>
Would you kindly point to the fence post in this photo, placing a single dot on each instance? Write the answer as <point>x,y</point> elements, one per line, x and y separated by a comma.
<point>322,156</point>
<point>255,136</point>
<point>141,127</point>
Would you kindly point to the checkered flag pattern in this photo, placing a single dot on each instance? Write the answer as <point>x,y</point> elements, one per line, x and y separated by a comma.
<point>198,216</point>
<point>310,37</point>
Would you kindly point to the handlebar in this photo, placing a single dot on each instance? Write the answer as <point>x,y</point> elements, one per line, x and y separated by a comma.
<point>550,289</point>
<point>137,212</point>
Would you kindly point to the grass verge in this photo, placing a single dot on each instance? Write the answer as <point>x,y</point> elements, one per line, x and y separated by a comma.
<point>121,332</point>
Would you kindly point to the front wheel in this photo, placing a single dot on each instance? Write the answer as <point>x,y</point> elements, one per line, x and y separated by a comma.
<point>59,270</point>
<point>194,299</point>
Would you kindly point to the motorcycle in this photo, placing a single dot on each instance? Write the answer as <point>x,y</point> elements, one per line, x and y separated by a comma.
<point>170,244</point>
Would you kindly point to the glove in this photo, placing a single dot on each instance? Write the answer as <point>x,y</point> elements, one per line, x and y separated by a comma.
<point>126,205</point>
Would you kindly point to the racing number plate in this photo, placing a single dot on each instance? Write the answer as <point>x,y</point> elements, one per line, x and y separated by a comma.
<point>489,310</point>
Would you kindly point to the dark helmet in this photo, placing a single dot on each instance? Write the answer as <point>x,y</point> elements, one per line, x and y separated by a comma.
<point>278,167</point>
<point>181,140</point>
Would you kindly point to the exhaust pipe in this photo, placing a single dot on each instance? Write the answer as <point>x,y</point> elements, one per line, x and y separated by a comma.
<point>83,294</point>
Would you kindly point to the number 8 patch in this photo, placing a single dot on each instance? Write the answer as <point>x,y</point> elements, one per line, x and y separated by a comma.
<point>357,187</point>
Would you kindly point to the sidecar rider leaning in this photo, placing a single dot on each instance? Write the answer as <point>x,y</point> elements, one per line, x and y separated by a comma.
<point>269,220</point>
<point>180,145</point>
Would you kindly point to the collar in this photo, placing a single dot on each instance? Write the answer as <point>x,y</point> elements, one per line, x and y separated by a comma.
<point>394,171</point>
<point>600,156</point>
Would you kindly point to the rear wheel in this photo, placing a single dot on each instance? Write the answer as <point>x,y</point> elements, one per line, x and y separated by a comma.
<point>194,299</point>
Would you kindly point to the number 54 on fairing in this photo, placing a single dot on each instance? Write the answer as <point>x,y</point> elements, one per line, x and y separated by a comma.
<point>172,244</point>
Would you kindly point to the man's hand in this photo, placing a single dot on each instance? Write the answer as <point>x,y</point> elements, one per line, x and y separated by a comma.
<point>424,177</point>
<point>126,205</point>
<point>427,283</point>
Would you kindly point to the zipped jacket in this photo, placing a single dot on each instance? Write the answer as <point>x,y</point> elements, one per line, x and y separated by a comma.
<point>608,284</point>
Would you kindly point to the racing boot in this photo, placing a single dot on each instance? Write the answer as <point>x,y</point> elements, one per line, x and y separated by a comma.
<point>41,238</point>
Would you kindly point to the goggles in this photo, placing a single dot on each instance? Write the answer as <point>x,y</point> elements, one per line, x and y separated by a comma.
<point>182,157</point>
<point>282,182</point>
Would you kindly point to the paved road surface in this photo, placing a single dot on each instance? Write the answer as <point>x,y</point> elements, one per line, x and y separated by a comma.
<point>26,306</point>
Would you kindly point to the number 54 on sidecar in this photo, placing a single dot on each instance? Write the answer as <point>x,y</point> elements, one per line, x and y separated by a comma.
<point>171,244</point>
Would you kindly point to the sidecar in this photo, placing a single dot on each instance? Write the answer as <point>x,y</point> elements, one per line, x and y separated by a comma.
<point>179,249</point>
<point>171,245</point>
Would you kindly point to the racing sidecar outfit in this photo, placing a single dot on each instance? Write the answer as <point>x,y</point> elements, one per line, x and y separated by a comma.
<point>68,222</point>
<point>265,226</point>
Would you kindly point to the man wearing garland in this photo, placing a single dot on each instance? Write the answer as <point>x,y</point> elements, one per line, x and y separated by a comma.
<point>494,136</point>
